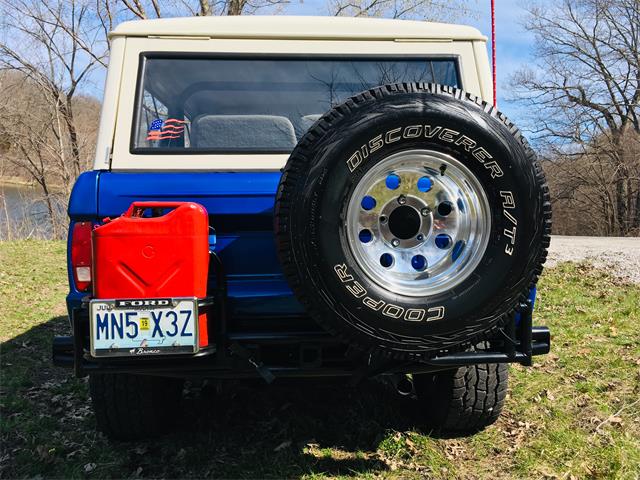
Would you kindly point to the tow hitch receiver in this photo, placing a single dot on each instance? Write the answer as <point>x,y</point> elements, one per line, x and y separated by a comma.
<point>244,354</point>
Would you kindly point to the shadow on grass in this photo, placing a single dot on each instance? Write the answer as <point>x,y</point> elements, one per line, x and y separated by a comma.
<point>230,429</point>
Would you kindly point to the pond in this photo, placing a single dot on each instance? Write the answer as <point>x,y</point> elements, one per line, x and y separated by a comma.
<point>23,213</point>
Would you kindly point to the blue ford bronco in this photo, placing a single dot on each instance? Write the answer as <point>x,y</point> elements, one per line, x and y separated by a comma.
<point>370,213</point>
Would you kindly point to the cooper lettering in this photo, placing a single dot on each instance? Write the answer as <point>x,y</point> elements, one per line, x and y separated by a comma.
<point>388,309</point>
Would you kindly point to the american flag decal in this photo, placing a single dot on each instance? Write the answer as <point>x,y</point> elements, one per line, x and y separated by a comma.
<point>170,128</point>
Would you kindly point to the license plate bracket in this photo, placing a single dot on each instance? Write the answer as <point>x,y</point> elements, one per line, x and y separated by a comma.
<point>143,327</point>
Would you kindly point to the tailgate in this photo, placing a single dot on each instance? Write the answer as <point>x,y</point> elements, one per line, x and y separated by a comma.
<point>240,207</point>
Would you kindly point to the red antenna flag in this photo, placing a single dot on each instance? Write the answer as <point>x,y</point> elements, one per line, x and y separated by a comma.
<point>493,50</point>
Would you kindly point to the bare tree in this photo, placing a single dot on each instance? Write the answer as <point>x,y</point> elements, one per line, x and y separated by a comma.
<point>584,93</point>
<point>146,9</point>
<point>441,10</point>
<point>48,51</point>
<point>56,45</point>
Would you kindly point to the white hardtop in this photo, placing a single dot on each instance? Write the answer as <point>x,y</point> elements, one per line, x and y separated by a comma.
<point>259,35</point>
<point>294,27</point>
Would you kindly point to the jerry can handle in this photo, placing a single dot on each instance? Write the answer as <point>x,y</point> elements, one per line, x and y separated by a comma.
<point>137,208</point>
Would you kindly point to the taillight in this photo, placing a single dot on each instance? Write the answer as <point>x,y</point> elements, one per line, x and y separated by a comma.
<point>81,255</point>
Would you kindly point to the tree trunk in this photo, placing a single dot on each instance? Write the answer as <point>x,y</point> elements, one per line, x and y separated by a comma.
<point>617,156</point>
<point>607,216</point>
<point>205,8</point>
<point>52,216</point>
<point>235,7</point>
<point>67,179</point>
<point>621,213</point>
<point>50,209</point>
<point>67,113</point>
<point>629,202</point>
<point>636,219</point>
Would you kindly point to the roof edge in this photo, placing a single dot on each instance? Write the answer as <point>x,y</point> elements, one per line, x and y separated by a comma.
<point>297,28</point>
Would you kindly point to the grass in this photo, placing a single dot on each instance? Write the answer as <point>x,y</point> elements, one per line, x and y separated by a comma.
<point>575,414</point>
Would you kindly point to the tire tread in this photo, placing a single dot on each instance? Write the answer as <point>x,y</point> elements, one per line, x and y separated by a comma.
<point>466,399</point>
<point>129,407</point>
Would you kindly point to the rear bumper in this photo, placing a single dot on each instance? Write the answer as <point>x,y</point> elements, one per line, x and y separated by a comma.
<point>207,365</point>
<point>284,352</point>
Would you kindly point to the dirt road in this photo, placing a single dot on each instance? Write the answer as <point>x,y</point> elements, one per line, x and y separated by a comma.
<point>619,254</point>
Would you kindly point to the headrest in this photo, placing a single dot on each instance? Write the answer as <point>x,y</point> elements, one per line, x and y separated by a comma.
<point>234,132</point>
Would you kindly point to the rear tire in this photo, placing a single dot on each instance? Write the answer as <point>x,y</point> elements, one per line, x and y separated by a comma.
<point>131,407</point>
<point>466,399</point>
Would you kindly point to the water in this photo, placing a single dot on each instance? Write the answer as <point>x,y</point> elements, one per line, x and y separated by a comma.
<point>23,213</point>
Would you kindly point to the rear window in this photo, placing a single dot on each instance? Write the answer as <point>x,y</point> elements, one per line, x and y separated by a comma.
<point>240,105</point>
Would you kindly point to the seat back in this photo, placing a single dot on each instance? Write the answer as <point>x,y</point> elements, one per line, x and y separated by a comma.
<point>237,132</point>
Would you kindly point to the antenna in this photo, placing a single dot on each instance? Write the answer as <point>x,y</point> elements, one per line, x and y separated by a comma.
<point>493,50</point>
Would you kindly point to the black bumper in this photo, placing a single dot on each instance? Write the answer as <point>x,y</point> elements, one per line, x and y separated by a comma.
<point>277,350</point>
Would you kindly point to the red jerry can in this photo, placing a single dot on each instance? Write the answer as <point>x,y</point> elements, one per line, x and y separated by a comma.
<point>154,257</point>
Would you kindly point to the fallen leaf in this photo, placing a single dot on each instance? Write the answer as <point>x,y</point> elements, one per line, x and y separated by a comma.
<point>140,450</point>
<point>282,446</point>
<point>615,420</point>
<point>582,401</point>
<point>43,452</point>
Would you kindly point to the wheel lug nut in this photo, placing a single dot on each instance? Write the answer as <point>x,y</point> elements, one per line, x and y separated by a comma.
<point>402,199</point>
<point>420,237</point>
<point>383,219</point>
<point>425,211</point>
<point>395,242</point>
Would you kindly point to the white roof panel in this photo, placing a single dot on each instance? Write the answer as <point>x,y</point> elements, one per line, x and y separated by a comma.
<point>292,27</point>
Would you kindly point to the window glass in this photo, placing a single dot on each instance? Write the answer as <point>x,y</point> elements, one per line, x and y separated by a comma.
<point>257,105</point>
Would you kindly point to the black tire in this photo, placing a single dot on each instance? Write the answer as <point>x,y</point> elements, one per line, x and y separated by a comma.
<point>132,407</point>
<point>464,400</point>
<point>314,191</point>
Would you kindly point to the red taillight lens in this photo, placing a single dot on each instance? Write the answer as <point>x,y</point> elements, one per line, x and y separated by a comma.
<point>81,255</point>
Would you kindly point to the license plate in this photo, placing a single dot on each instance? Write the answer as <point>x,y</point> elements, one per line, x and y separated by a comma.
<point>143,327</point>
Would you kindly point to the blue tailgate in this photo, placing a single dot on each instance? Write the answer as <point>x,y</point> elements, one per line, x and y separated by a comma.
<point>240,207</point>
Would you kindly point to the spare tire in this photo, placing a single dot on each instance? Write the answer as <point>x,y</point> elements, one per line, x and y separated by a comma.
<point>412,219</point>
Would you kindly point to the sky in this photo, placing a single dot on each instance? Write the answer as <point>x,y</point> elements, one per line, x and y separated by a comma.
<point>514,45</point>
<point>514,49</point>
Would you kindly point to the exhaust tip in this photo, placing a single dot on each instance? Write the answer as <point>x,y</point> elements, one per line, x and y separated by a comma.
<point>404,386</point>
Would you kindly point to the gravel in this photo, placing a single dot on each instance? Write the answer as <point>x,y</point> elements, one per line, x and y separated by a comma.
<point>620,255</point>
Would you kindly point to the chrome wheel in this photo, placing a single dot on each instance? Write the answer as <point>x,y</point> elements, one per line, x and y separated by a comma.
<point>418,223</point>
